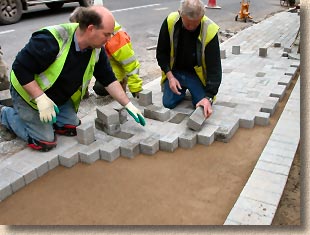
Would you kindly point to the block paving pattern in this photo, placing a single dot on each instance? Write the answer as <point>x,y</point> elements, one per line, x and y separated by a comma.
<point>256,74</point>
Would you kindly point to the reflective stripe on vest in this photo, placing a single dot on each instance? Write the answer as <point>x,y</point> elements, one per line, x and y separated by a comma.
<point>208,30</point>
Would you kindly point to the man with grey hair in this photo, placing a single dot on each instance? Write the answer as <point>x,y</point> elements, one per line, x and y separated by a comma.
<point>188,54</point>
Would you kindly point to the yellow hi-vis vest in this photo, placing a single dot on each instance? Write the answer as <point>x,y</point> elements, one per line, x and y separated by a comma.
<point>64,35</point>
<point>208,30</point>
<point>122,59</point>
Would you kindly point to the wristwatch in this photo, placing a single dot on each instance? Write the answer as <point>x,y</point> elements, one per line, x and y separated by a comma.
<point>210,99</point>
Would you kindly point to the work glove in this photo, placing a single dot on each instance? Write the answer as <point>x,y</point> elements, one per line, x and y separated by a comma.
<point>135,113</point>
<point>47,109</point>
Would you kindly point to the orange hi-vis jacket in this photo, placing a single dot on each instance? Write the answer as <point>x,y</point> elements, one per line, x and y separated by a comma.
<point>123,60</point>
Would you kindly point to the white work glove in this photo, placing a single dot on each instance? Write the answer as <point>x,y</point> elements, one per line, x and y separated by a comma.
<point>47,109</point>
<point>135,113</point>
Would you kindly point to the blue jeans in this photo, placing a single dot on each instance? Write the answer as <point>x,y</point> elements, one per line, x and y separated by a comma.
<point>188,81</point>
<point>25,122</point>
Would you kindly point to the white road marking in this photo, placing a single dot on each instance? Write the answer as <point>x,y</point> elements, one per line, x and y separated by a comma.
<point>7,31</point>
<point>160,9</point>
<point>133,8</point>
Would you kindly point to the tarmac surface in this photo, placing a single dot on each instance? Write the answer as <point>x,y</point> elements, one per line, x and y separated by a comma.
<point>256,74</point>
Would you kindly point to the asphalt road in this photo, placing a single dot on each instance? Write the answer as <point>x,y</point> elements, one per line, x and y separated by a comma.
<point>141,18</point>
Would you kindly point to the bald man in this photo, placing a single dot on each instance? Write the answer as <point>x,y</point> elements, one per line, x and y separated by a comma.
<point>50,76</point>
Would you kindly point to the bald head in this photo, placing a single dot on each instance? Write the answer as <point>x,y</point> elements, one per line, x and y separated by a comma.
<point>107,18</point>
<point>98,16</point>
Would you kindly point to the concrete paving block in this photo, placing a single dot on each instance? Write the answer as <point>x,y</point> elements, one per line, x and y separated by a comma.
<point>291,71</point>
<point>91,153</point>
<point>262,52</point>
<point>196,119</point>
<point>149,145</point>
<point>25,169</point>
<point>64,142</point>
<point>123,115</point>
<point>247,120</point>
<point>247,216</point>
<point>261,208</point>
<point>270,105</point>
<point>129,149</point>
<point>156,112</point>
<point>261,195</point>
<point>287,49</point>
<point>86,133</point>
<point>277,44</point>
<point>110,151</point>
<point>284,135</point>
<point>285,80</point>
<point>122,135</point>
<point>5,189</point>
<point>112,129</point>
<point>51,158</point>
<point>235,50</point>
<point>273,167</point>
<point>262,118</point>
<point>275,157</point>
<point>169,143</point>
<point>70,157</point>
<point>99,124</point>
<point>131,128</point>
<point>188,139</point>
<point>267,181</point>
<point>280,152</point>
<point>290,147</point>
<point>108,115</point>
<point>207,135</point>
<point>40,162</point>
<point>279,92</point>
<point>295,64</point>
<point>225,132</point>
<point>15,179</point>
<point>145,97</point>
<point>42,169</point>
<point>53,163</point>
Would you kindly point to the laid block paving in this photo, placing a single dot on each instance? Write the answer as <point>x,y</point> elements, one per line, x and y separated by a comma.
<point>252,86</point>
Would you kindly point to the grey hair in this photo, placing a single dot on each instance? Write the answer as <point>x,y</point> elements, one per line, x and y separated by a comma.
<point>193,9</point>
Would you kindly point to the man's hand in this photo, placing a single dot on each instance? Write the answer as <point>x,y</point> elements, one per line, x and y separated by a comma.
<point>135,113</point>
<point>207,108</point>
<point>174,85</point>
<point>47,109</point>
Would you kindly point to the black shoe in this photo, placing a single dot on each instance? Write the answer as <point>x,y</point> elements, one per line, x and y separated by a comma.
<point>43,146</point>
<point>67,130</point>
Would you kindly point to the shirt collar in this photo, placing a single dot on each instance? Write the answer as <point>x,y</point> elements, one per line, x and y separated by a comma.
<point>77,48</point>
